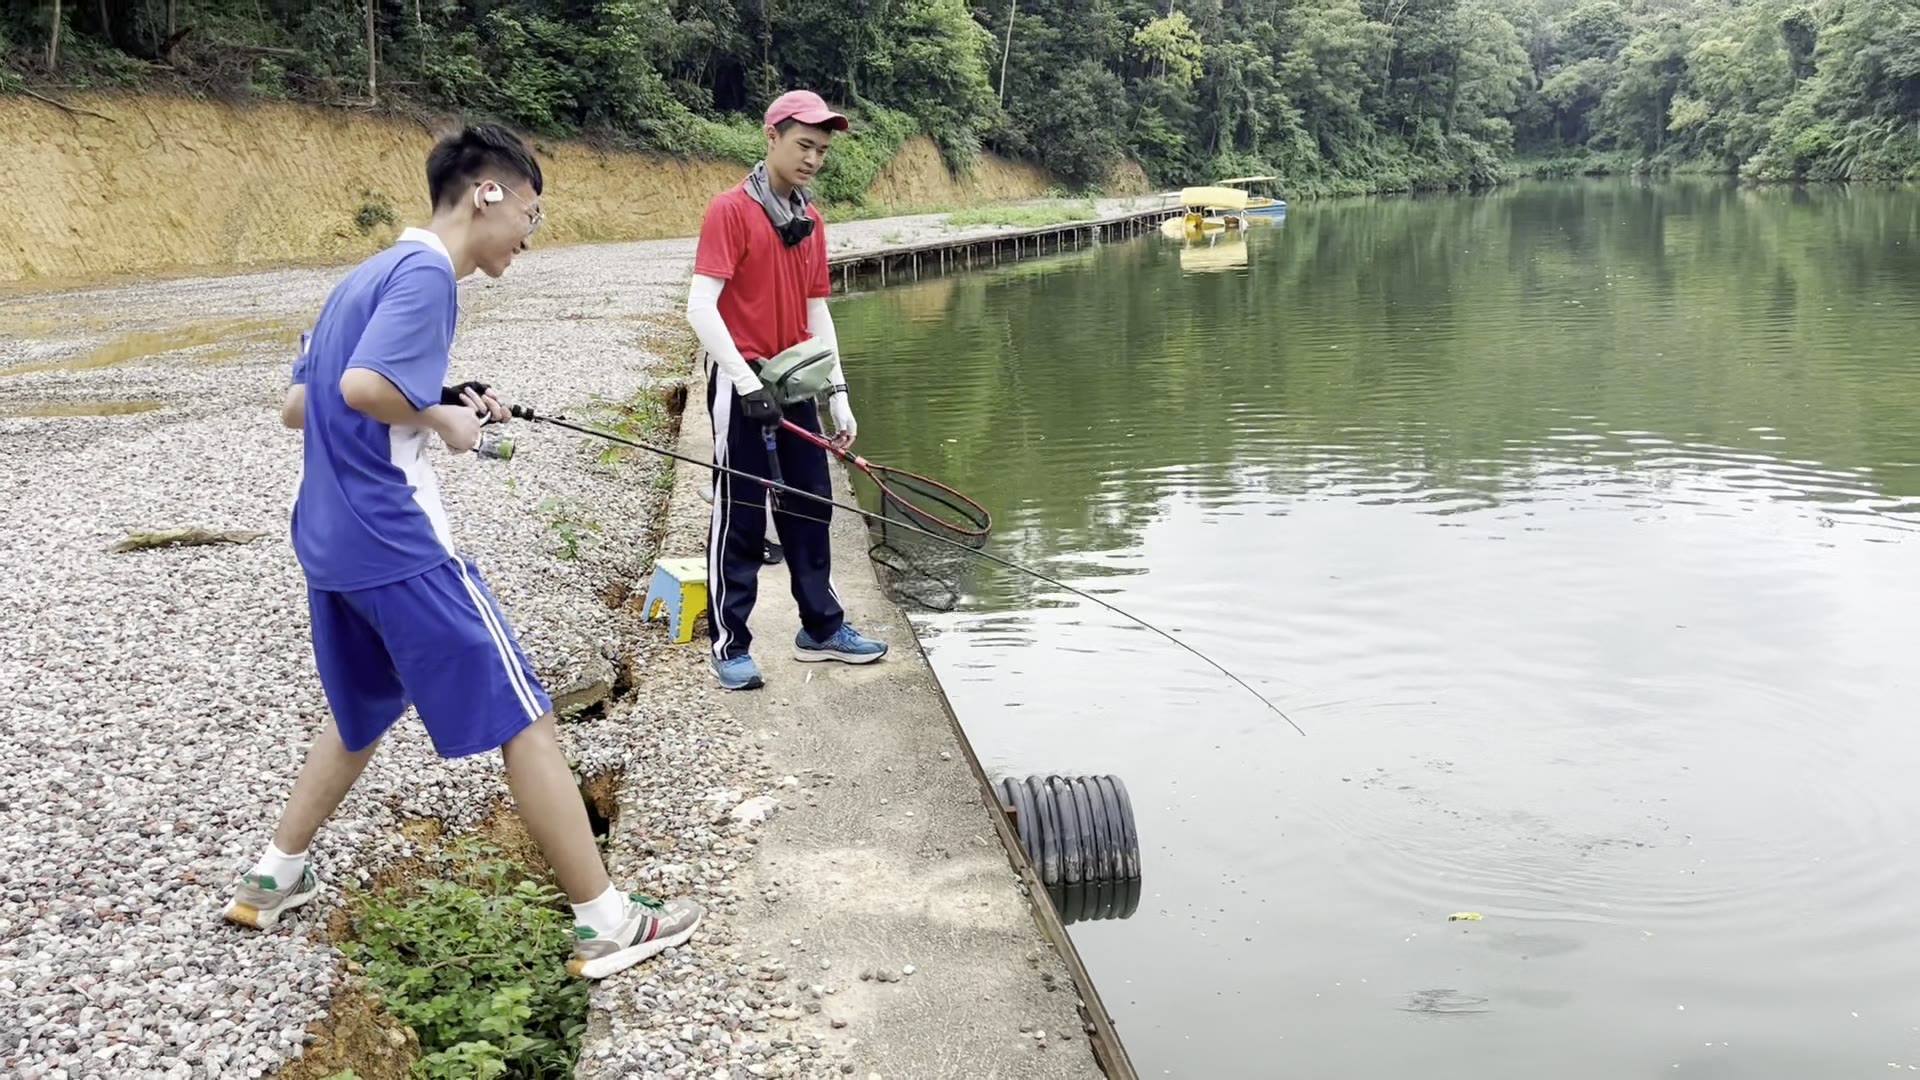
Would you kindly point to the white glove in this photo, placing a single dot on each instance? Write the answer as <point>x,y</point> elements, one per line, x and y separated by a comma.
<point>844,427</point>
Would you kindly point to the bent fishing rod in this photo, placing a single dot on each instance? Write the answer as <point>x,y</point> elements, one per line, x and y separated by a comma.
<point>525,412</point>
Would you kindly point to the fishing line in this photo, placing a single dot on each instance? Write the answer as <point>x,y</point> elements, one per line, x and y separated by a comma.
<point>526,413</point>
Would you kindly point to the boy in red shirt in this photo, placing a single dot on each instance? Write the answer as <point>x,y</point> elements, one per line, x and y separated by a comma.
<point>760,287</point>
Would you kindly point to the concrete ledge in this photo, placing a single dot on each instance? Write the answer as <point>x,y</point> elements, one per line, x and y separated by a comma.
<point>886,859</point>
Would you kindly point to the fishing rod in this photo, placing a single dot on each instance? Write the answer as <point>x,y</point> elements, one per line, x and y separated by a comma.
<point>524,412</point>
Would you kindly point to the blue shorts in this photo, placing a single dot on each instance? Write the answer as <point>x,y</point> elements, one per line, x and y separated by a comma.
<point>436,641</point>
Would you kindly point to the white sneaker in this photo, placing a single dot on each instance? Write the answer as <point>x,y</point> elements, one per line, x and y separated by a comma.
<point>650,928</point>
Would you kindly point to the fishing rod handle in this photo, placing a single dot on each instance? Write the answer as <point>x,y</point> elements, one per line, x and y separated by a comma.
<point>522,412</point>
<point>770,435</point>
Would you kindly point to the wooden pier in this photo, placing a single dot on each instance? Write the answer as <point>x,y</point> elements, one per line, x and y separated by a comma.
<point>911,262</point>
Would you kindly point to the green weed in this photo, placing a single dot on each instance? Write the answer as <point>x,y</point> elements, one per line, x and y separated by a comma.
<point>639,416</point>
<point>571,528</point>
<point>475,965</point>
<point>642,417</point>
<point>374,212</point>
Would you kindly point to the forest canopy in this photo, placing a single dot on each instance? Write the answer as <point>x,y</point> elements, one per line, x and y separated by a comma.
<point>1331,95</point>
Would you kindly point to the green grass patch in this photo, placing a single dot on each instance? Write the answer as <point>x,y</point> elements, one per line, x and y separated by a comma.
<point>473,962</point>
<point>1023,217</point>
<point>841,213</point>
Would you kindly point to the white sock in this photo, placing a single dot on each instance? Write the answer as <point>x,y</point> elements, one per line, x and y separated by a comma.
<point>283,868</point>
<point>604,913</point>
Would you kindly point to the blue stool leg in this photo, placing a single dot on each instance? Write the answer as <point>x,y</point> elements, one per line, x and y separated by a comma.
<point>656,594</point>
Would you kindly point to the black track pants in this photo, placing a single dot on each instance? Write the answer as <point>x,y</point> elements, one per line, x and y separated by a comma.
<point>740,522</point>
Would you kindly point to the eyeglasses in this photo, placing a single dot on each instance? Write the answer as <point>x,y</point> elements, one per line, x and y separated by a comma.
<point>534,216</point>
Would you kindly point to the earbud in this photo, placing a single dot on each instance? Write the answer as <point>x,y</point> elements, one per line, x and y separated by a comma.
<point>487,193</point>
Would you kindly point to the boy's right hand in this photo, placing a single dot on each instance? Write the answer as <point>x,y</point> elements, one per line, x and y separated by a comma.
<point>457,425</point>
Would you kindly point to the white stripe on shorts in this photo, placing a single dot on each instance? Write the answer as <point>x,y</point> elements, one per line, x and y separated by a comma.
<point>515,677</point>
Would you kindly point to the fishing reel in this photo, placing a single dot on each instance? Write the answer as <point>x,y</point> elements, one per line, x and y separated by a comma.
<point>500,447</point>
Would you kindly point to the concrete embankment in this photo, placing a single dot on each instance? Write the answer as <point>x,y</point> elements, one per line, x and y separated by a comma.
<point>879,905</point>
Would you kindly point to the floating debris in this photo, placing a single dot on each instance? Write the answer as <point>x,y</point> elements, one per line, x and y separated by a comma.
<point>1465,916</point>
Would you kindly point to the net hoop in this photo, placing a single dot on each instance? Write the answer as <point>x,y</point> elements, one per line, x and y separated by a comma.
<point>905,496</point>
<point>911,507</point>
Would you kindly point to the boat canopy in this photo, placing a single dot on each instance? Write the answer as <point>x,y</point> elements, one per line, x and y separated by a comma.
<point>1214,198</point>
<point>1248,180</point>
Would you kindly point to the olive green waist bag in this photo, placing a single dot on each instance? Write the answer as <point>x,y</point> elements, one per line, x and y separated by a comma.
<point>802,373</point>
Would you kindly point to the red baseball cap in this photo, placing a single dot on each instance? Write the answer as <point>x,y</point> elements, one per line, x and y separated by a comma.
<point>806,107</point>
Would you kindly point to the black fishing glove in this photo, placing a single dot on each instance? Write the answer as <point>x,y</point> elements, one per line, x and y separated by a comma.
<point>759,407</point>
<point>450,395</point>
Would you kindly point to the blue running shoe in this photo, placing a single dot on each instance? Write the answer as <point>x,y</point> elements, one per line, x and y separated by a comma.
<point>739,673</point>
<point>846,646</point>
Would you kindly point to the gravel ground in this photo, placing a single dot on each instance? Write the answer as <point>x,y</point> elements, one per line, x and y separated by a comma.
<point>160,701</point>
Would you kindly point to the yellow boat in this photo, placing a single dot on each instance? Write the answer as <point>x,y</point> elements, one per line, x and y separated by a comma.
<point>1207,209</point>
<point>1255,204</point>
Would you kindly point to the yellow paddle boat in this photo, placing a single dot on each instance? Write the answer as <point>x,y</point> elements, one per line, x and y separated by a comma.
<point>1207,209</point>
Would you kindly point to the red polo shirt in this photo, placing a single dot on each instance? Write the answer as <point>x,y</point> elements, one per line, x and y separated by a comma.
<point>768,283</point>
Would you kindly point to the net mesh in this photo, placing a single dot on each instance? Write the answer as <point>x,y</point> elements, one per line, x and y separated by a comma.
<point>920,569</point>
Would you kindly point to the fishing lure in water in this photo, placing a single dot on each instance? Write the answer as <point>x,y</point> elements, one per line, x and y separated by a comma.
<point>970,535</point>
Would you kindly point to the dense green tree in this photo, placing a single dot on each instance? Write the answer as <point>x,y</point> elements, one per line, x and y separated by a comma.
<point>1332,95</point>
<point>1776,89</point>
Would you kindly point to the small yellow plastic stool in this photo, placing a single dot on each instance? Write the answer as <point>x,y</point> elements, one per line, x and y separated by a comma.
<point>680,587</point>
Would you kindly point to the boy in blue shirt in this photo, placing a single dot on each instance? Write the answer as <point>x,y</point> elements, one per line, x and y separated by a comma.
<point>399,616</point>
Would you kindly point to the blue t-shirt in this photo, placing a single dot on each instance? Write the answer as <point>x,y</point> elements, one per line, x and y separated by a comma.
<point>369,512</point>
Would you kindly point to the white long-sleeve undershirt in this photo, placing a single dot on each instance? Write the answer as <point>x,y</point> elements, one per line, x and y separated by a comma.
<point>703,314</point>
<point>820,325</point>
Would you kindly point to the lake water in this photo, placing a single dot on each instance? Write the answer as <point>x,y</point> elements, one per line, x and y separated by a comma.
<point>1578,525</point>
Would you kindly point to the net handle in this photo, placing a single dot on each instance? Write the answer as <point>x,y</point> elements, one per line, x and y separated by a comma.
<point>824,443</point>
